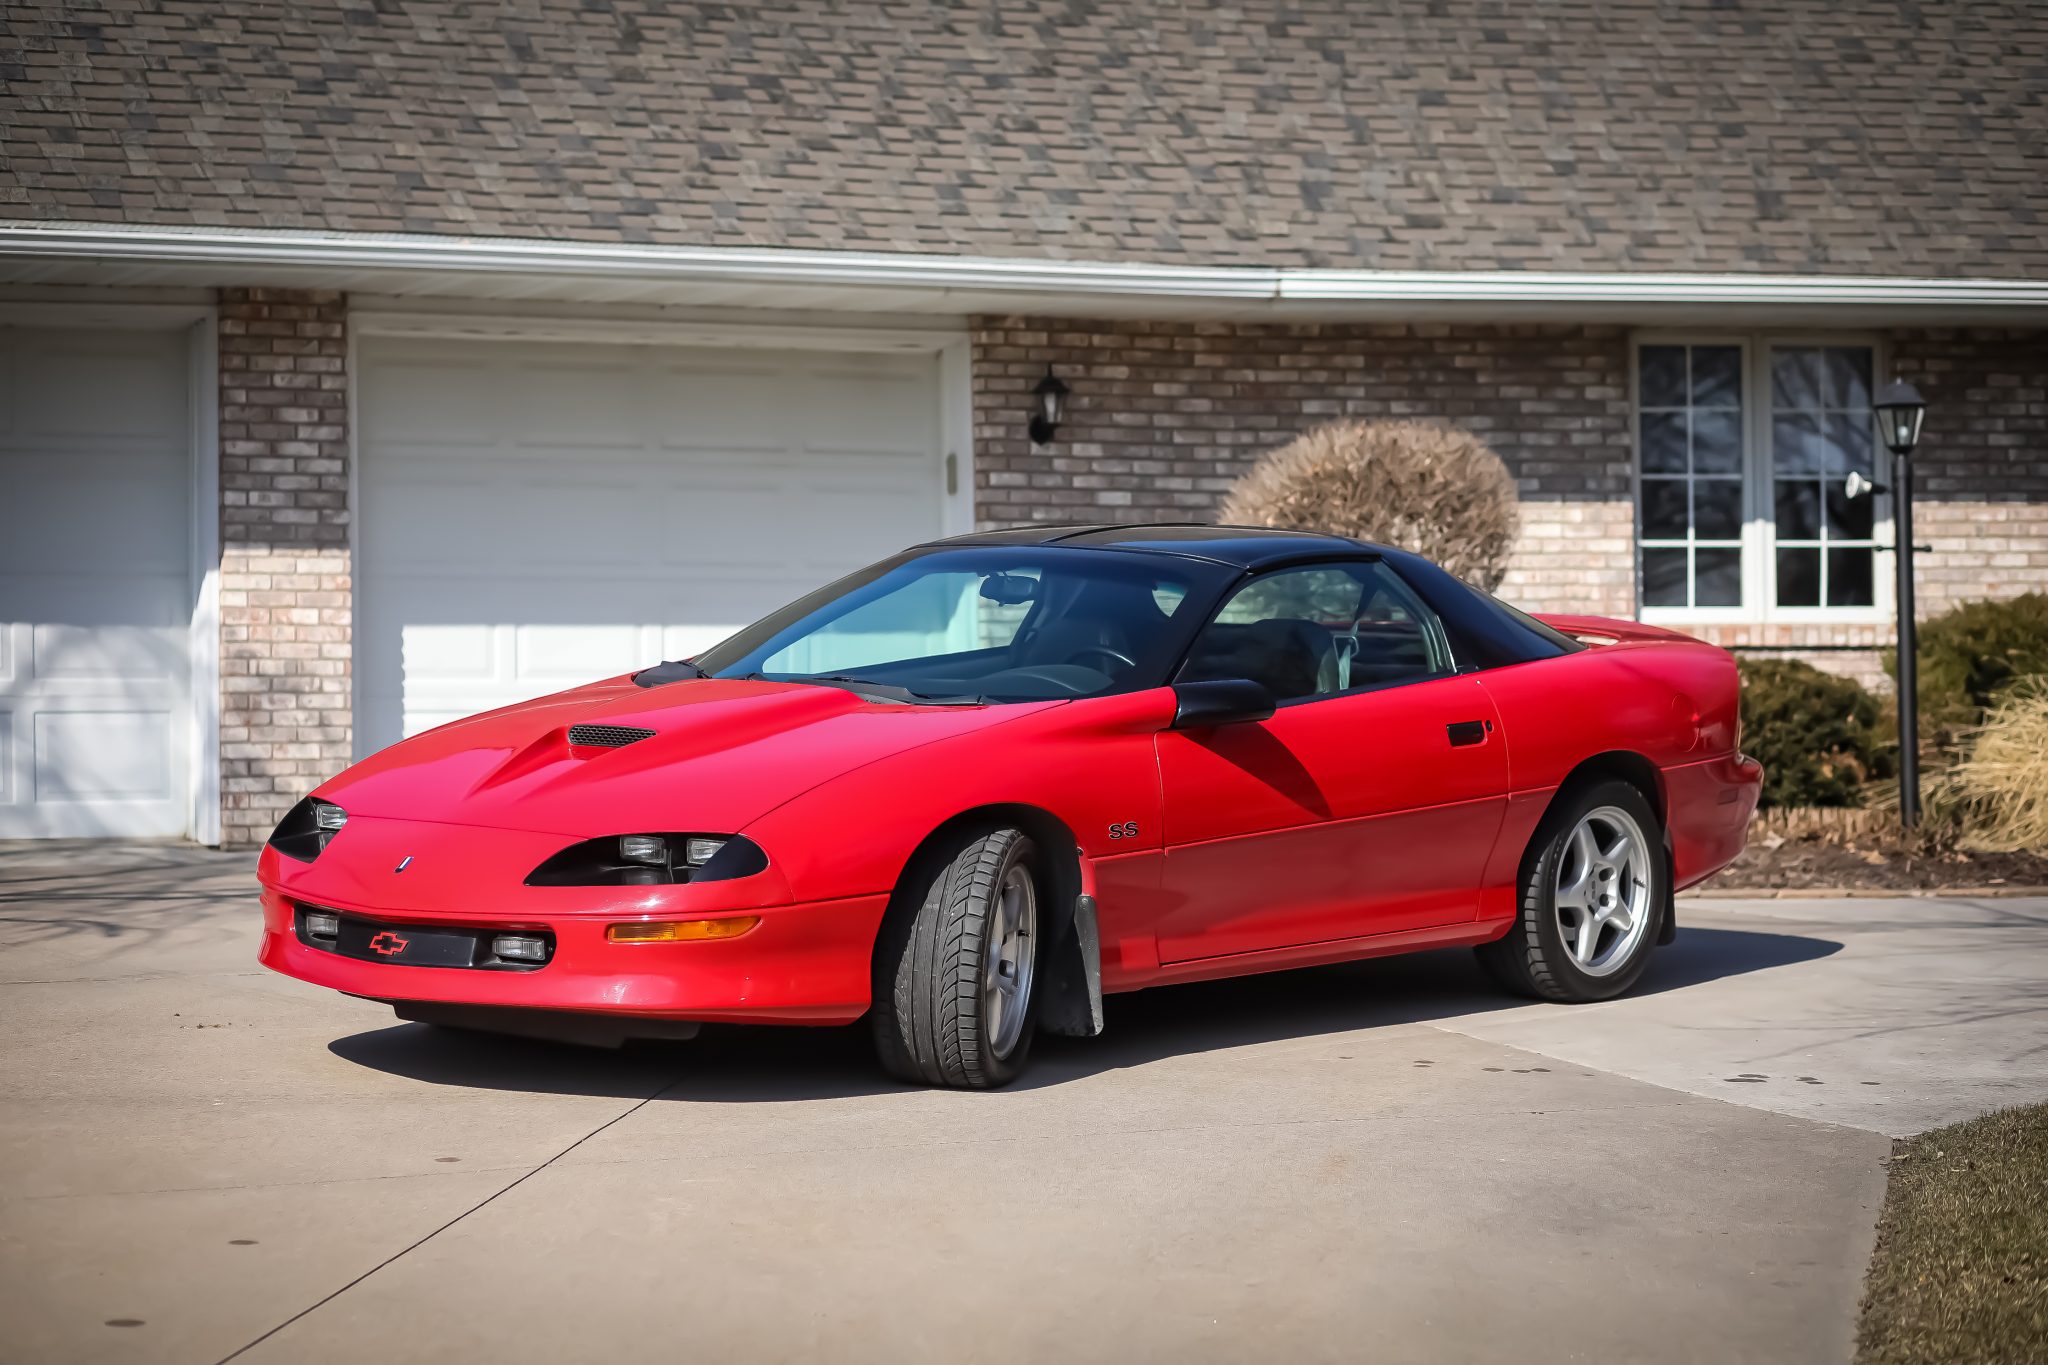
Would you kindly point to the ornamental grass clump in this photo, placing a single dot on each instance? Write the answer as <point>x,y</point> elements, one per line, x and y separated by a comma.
<point>2003,776</point>
<point>1418,486</point>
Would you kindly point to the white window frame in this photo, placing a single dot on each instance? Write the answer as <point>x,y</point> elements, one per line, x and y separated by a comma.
<point>1759,530</point>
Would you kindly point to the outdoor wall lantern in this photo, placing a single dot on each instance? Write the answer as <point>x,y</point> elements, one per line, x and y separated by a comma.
<point>1048,407</point>
<point>1899,408</point>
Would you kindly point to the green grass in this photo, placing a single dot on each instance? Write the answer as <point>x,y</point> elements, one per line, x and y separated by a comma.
<point>1961,1269</point>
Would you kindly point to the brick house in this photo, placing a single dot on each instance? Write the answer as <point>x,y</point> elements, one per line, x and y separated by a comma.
<point>363,365</point>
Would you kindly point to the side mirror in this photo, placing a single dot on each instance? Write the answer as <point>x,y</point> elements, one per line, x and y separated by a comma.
<point>1224,701</point>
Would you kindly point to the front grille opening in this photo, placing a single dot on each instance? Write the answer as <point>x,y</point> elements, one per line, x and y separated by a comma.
<point>490,949</point>
<point>607,736</point>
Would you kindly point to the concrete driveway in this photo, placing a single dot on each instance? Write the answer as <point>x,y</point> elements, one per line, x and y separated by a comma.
<point>200,1160</point>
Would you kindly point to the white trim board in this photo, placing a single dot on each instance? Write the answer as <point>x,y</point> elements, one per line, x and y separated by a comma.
<point>417,265</point>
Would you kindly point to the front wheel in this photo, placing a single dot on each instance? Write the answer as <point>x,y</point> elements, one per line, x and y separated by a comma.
<point>1593,891</point>
<point>957,962</point>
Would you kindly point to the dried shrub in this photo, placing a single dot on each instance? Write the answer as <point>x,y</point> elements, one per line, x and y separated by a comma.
<point>2003,776</point>
<point>1816,734</point>
<point>1432,489</point>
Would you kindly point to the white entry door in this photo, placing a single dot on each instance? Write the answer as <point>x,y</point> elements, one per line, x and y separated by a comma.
<point>95,583</point>
<point>537,515</point>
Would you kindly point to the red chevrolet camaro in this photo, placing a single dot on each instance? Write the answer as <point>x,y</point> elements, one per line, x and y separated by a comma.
<point>970,790</point>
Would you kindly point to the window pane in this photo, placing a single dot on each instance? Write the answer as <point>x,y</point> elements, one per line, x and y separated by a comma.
<point>1664,578</point>
<point>1322,594</point>
<point>1664,442</point>
<point>1849,578</point>
<point>1716,376</point>
<point>1849,439</point>
<point>1717,509</point>
<point>1795,379</point>
<point>1848,378</point>
<point>1848,518</point>
<point>1798,508</point>
<point>1314,631</point>
<point>1717,441</point>
<point>1796,445</point>
<point>1719,578</point>
<point>1799,578</point>
<point>1662,376</point>
<point>1664,509</point>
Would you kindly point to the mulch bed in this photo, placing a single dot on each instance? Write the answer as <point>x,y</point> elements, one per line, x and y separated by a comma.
<point>1866,851</point>
<point>1824,867</point>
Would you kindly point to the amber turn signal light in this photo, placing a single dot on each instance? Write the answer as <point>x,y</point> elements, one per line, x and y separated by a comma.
<point>681,931</point>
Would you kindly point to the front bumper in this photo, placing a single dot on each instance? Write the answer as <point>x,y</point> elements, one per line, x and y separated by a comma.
<point>804,963</point>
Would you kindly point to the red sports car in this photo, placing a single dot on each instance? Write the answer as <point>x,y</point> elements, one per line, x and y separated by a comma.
<point>972,789</point>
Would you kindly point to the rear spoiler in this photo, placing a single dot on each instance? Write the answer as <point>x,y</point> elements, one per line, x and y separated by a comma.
<point>1602,630</point>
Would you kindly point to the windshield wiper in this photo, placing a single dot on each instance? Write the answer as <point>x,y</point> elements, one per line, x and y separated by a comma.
<point>668,671</point>
<point>869,686</point>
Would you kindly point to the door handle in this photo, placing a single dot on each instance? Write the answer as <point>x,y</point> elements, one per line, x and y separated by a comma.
<point>1464,732</point>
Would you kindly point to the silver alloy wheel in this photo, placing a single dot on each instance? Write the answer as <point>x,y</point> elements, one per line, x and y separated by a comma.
<point>1602,893</point>
<point>1007,960</point>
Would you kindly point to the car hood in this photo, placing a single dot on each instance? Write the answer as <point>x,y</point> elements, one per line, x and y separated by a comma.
<point>723,754</point>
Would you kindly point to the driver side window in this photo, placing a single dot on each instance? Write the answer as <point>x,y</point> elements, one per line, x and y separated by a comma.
<point>1319,630</point>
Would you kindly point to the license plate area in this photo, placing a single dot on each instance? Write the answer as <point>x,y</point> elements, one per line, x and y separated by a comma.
<point>417,945</point>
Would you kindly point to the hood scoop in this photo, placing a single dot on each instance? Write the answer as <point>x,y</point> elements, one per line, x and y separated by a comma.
<point>607,736</point>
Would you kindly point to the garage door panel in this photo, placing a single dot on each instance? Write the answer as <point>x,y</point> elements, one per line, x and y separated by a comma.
<point>113,656</point>
<point>102,387</point>
<point>618,504</point>
<point>566,655</point>
<point>874,412</point>
<point>732,407</point>
<point>96,593</point>
<point>83,756</point>
<point>580,406</point>
<point>71,514</point>
<point>472,522</point>
<point>420,400</point>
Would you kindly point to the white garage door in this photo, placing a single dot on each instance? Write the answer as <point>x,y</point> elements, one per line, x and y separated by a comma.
<point>95,583</point>
<point>536,515</point>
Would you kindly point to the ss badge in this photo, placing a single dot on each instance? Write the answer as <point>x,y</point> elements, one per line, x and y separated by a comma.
<point>1127,829</point>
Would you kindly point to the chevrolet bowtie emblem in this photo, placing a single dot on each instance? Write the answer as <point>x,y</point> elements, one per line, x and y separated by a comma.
<point>404,865</point>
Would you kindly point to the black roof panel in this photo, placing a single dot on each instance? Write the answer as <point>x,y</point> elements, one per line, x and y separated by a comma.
<point>1246,546</point>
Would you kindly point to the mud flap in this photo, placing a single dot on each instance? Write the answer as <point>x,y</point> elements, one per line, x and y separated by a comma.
<point>1669,930</point>
<point>1072,1004</point>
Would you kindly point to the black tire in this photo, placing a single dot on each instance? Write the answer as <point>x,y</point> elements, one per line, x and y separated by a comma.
<point>1532,958</point>
<point>929,1007</point>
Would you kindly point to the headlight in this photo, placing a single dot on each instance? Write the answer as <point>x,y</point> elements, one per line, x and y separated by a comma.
<point>307,828</point>
<point>651,860</point>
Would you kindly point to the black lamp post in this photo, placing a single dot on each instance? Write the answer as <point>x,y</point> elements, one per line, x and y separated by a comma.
<point>1899,410</point>
<point>1048,408</point>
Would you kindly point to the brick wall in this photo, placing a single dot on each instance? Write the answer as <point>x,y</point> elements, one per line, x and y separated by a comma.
<point>284,581</point>
<point>1166,415</point>
<point>1982,500</point>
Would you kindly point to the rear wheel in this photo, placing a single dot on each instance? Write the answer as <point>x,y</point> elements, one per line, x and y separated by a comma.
<point>1593,891</point>
<point>957,963</point>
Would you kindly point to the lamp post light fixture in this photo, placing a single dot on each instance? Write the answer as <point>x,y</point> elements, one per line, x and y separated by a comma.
<point>1048,408</point>
<point>1899,409</point>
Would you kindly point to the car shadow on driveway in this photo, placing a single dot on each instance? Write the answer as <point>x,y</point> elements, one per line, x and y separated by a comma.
<point>741,1065</point>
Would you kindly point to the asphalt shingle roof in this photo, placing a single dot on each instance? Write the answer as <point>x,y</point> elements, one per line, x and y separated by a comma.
<point>1790,137</point>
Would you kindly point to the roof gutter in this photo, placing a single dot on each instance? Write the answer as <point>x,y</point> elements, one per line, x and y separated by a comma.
<point>229,249</point>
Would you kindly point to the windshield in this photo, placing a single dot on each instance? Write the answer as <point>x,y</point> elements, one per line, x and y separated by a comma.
<point>988,624</point>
